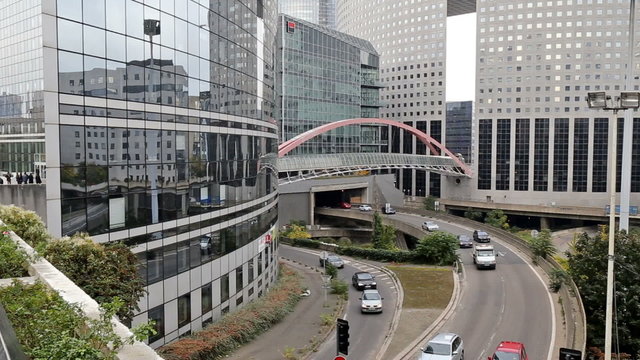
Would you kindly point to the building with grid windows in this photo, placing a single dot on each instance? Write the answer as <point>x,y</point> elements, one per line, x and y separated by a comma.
<point>320,12</point>
<point>536,143</point>
<point>325,76</point>
<point>459,125</point>
<point>153,117</point>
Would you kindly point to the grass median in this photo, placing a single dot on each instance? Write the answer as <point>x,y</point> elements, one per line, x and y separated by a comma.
<point>427,291</point>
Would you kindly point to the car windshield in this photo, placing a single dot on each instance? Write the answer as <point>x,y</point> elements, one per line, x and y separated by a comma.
<point>371,296</point>
<point>503,355</point>
<point>333,258</point>
<point>438,349</point>
<point>463,238</point>
<point>485,253</point>
<point>482,234</point>
<point>364,276</point>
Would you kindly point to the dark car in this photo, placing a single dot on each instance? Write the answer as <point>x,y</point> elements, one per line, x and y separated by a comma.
<point>465,241</point>
<point>363,280</point>
<point>481,236</point>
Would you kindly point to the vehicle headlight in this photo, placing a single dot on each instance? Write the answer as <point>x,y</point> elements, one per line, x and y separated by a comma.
<point>373,283</point>
<point>360,284</point>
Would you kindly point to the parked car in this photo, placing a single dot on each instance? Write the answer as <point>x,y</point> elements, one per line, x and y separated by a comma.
<point>371,302</point>
<point>365,208</point>
<point>465,241</point>
<point>344,205</point>
<point>332,259</point>
<point>509,350</point>
<point>430,226</point>
<point>481,236</point>
<point>363,280</point>
<point>443,346</point>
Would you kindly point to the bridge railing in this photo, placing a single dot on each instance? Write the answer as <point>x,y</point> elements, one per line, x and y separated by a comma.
<point>573,308</point>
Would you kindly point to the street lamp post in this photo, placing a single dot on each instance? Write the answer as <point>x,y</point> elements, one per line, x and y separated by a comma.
<point>625,186</point>
<point>600,100</point>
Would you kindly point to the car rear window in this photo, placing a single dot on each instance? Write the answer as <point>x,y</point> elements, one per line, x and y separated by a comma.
<point>364,276</point>
<point>503,355</point>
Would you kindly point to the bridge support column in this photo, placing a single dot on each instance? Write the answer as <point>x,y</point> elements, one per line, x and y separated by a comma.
<point>312,205</point>
<point>544,223</point>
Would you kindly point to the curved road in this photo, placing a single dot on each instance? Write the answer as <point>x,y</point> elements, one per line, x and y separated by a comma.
<point>367,331</point>
<point>509,303</point>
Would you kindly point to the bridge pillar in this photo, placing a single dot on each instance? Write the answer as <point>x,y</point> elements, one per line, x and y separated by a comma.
<point>544,223</point>
<point>312,205</point>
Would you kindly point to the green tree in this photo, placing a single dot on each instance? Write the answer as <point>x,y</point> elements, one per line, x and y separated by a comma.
<point>588,269</point>
<point>542,246</point>
<point>331,270</point>
<point>384,236</point>
<point>430,203</point>
<point>472,214</point>
<point>296,232</point>
<point>497,218</point>
<point>438,248</point>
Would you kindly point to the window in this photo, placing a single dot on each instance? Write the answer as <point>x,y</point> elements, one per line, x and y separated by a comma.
<point>224,288</point>
<point>239,282</point>
<point>157,316</point>
<point>184,310</point>
<point>207,298</point>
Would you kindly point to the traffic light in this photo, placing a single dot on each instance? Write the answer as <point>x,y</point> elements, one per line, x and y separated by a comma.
<point>343,336</point>
<point>570,354</point>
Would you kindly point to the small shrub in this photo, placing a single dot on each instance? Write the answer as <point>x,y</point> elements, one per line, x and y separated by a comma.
<point>308,243</point>
<point>14,260</point>
<point>438,248</point>
<point>430,203</point>
<point>497,218</point>
<point>327,240</point>
<point>340,287</point>
<point>474,215</point>
<point>327,319</point>
<point>556,279</point>
<point>542,246</point>
<point>26,224</point>
<point>330,270</point>
<point>344,241</point>
<point>297,232</point>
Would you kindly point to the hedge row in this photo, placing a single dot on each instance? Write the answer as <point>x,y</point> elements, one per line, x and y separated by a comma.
<point>363,253</point>
<point>241,326</point>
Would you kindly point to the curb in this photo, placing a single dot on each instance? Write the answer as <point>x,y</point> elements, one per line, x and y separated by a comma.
<point>437,324</point>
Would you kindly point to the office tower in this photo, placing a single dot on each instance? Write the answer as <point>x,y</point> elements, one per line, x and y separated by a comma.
<point>321,12</point>
<point>459,139</point>
<point>153,117</point>
<point>411,39</point>
<point>326,76</point>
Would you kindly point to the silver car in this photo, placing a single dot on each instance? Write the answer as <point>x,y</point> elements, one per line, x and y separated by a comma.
<point>444,346</point>
<point>371,302</point>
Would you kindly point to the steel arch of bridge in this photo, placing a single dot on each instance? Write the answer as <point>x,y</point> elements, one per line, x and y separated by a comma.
<point>433,144</point>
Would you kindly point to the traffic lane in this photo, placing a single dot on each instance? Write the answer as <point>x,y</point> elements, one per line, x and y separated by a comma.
<point>508,303</point>
<point>367,331</point>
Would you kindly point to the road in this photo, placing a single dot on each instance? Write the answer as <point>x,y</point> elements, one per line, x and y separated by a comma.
<point>509,303</point>
<point>367,331</point>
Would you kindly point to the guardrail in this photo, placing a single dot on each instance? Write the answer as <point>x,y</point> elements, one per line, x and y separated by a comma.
<point>575,317</point>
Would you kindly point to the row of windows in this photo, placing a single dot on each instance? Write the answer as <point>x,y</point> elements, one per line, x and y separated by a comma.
<point>582,140</point>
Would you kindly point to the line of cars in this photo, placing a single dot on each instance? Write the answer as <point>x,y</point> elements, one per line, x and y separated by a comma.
<point>449,346</point>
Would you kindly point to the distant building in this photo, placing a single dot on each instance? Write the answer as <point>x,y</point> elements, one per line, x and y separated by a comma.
<point>321,12</point>
<point>325,76</point>
<point>458,135</point>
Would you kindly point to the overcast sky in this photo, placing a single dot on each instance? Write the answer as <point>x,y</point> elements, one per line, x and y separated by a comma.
<point>461,57</point>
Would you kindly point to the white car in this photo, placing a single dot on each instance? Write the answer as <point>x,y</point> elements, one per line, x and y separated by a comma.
<point>444,346</point>
<point>430,226</point>
<point>365,208</point>
<point>371,302</point>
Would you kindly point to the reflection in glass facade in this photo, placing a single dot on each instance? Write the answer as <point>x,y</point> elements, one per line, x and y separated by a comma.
<point>560,154</point>
<point>503,154</point>
<point>541,155</point>
<point>321,12</point>
<point>580,154</point>
<point>484,154</point>
<point>153,137</point>
<point>326,76</point>
<point>600,154</point>
<point>458,128</point>
<point>521,166</point>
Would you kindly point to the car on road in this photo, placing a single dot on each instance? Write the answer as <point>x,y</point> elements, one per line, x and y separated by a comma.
<point>443,346</point>
<point>332,259</point>
<point>371,301</point>
<point>430,226</point>
<point>509,350</point>
<point>481,236</point>
<point>387,209</point>
<point>465,241</point>
<point>344,205</point>
<point>484,256</point>
<point>363,280</point>
<point>365,208</point>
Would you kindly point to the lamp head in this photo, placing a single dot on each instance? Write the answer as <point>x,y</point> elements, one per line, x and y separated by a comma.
<point>597,100</point>
<point>629,100</point>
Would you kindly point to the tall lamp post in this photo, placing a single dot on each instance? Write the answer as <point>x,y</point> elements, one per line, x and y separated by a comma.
<point>600,100</point>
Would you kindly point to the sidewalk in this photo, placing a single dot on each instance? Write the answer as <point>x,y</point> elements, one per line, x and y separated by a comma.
<point>300,330</point>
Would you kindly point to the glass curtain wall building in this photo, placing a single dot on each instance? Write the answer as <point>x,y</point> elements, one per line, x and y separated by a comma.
<point>458,132</point>
<point>326,76</point>
<point>155,116</point>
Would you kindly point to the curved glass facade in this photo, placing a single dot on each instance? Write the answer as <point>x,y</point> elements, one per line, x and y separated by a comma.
<point>154,116</point>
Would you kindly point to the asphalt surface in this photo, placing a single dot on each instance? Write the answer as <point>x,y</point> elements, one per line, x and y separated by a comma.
<point>508,303</point>
<point>367,331</point>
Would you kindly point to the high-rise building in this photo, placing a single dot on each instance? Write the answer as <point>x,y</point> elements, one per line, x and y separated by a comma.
<point>153,117</point>
<point>411,40</point>
<point>326,76</point>
<point>538,143</point>
<point>459,138</point>
<point>321,12</point>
